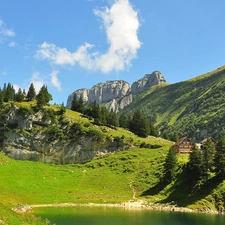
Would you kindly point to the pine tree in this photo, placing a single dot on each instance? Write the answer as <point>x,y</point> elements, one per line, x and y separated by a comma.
<point>95,111</point>
<point>153,130</point>
<point>123,121</point>
<point>139,124</point>
<point>43,97</point>
<point>220,158</point>
<point>80,105</point>
<point>74,103</point>
<point>31,94</point>
<point>9,93</point>
<point>195,165</point>
<point>112,119</point>
<point>170,165</point>
<point>19,97</point>
<point>209,151</point>
<point>104,115</point>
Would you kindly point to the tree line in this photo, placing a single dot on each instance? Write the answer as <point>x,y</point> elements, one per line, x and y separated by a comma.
<point>136,123</point>
<point>8,93</point>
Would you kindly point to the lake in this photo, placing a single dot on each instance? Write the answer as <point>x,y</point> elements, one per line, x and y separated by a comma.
<point>119,216</point>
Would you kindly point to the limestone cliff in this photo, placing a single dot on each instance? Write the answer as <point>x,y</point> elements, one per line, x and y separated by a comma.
<point>149,80</point>
<point>117,94</point>
<point>38,136</point>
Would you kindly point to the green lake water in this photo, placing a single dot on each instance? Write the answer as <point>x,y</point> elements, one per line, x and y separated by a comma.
<point>118,216</point>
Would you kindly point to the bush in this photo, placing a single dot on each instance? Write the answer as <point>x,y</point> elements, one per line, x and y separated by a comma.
<point>77,129</point>
<point>54,133</point>
<point>24,111</point>
<point>49,114</point>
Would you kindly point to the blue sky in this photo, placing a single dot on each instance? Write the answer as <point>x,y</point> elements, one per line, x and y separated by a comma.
<point>73,44</point>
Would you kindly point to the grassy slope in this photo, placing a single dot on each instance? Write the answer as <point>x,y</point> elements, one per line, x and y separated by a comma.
<point>109,179</point>
<point>188,106</point>
<point>112,179</point>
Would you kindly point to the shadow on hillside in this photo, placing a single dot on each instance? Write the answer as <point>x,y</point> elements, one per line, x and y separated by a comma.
<point>155,190</point>
<point>184,193</point>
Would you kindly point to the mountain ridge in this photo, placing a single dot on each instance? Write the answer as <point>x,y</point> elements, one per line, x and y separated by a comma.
<point>117,94</point>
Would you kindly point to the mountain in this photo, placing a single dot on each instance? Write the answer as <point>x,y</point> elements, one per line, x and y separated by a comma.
<point>193,108</point>
<point>117,94</point>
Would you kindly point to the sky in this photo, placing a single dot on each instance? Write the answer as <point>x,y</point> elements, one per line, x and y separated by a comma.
<point>73,44</point>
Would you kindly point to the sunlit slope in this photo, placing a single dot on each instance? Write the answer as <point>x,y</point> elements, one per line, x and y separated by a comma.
<point>193,108</point>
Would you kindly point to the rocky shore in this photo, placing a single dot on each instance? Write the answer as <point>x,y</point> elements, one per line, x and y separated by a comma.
<point>132,205</point>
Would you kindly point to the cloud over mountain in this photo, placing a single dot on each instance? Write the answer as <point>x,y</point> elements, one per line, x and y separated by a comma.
<point>121,25</point>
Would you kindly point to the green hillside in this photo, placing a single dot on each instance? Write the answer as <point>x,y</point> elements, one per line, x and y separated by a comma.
<point>132,174</point>
<point>193,108</point>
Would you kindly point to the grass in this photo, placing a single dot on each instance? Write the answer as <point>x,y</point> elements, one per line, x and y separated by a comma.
<point>103,180</point>
<point>115,178</point>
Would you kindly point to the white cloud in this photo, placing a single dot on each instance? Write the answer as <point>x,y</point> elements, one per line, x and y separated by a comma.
<point>12,44</point>
<point>37,81</point>
<point>121,26</point>
<point>5,32</point>
<point>54,79</point>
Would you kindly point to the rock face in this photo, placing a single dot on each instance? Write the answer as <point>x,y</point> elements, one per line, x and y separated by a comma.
<point>102,92</point>
<point>117,94</point>
<point>149,80</point>
<point>25,138</point>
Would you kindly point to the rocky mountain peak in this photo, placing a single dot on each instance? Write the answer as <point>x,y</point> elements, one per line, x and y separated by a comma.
<point>118,93</point>
<point>149,80</point>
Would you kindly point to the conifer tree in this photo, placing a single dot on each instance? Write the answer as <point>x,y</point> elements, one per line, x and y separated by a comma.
<point>112,119</point>
<point>31,94</point>
<point>220,158</point>
<point>195,168</point>
<point>95,111</point>
<point>123,121</point>
<point>170,165</point>
<point>43,97</point>
<point>139,124</point>
<point>19,95</point>
<point>80,105</point>
<point>9,93</point>
<point>104,115</point>
<point>74,103</point>
<point>209,151</point>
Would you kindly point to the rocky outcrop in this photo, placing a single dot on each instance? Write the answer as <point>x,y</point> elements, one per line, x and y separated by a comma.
<point>38,148</point>
<point>117,94</point>
<point>101,92</point>
<point>33,137</point>
<point>149,80</point>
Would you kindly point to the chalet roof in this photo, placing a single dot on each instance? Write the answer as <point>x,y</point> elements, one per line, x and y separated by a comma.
<point>182,139</point>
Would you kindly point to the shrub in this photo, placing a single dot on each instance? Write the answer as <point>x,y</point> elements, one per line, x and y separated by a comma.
<point>54,133</point>
<point>77,129</point>
<point>24,111</point>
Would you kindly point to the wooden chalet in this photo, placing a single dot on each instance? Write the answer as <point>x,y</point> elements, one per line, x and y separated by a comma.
<point>183,145</point>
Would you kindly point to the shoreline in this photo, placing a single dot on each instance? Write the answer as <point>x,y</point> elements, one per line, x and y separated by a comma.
<point>130,205</point>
